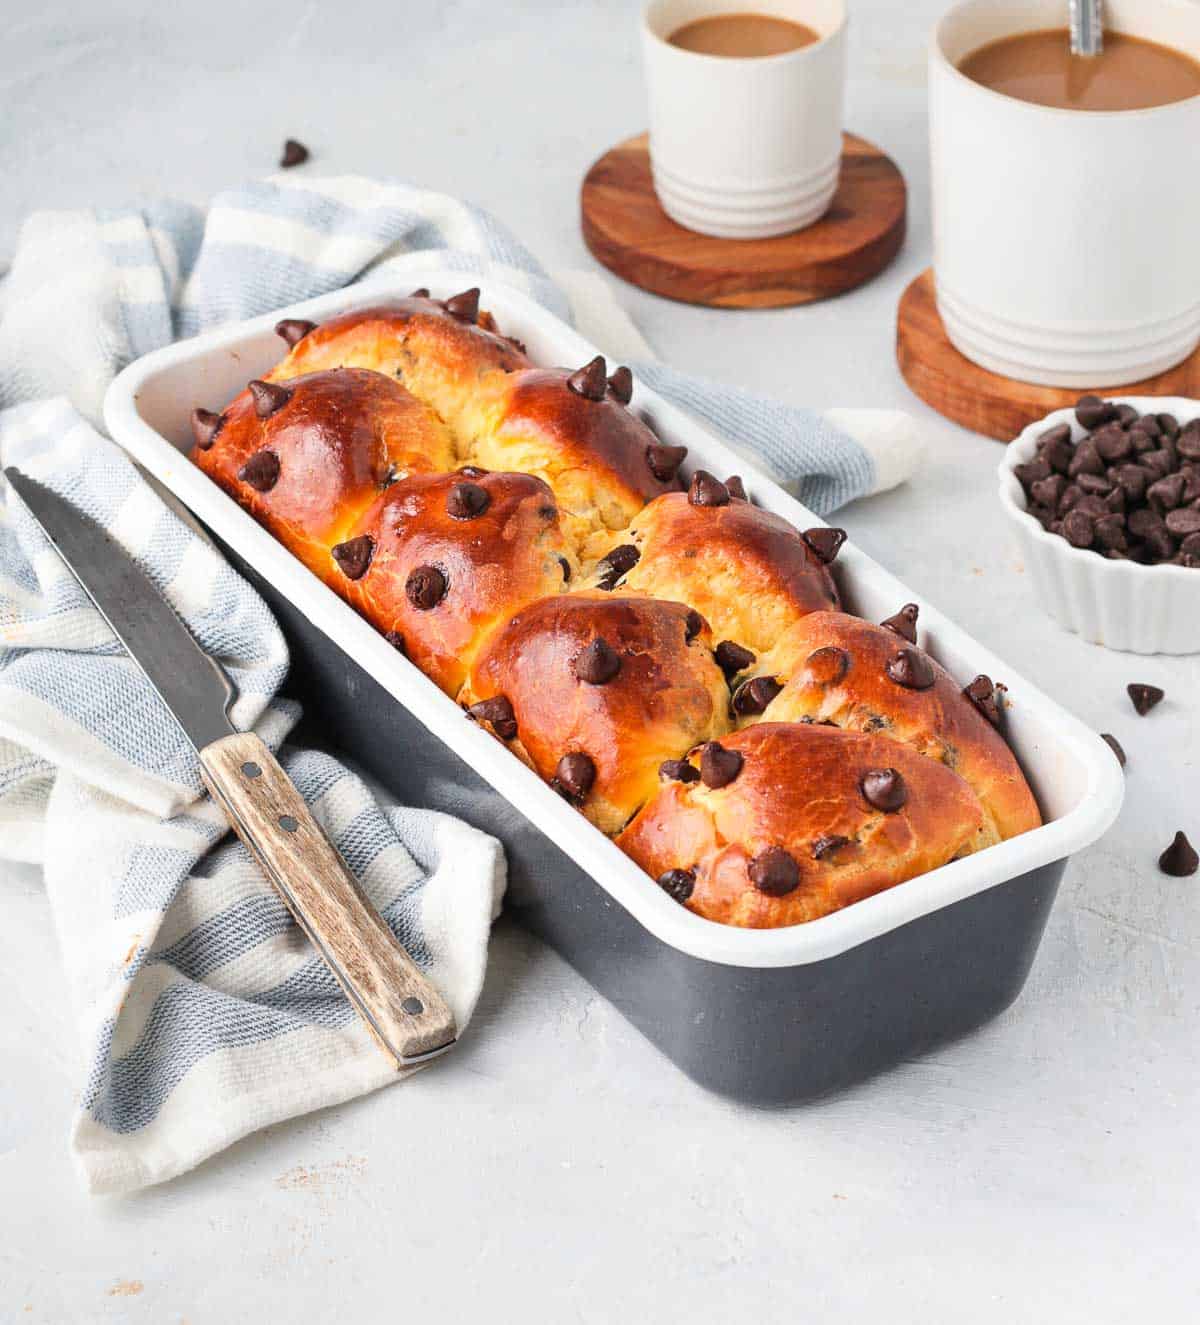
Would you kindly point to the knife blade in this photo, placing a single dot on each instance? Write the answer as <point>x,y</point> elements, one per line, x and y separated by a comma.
<point>400,1006</point>
<point>194,686</point>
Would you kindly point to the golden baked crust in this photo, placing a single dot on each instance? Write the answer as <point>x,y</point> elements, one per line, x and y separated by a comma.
<point>450,557</point>
<point>505,414</point>
<point>440,356</point>
<point>792,836</point>
<point>843,670</point>
<point>747,571</point>
<point>665,696</point>
<point>328,444</point>
<point>592,452</point>
<point>526,540</point>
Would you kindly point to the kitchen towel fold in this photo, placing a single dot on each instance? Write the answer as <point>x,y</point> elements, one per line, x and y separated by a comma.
<point>203,1014</point>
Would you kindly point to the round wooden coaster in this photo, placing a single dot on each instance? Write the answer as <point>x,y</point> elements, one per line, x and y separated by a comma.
<point>627,229</point>
<point>986,402</point>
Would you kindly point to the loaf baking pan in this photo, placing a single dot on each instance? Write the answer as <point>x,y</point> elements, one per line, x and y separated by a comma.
<point>773,1016</point>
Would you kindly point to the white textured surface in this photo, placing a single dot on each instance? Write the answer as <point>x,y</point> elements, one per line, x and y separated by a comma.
<point>555,1168</point>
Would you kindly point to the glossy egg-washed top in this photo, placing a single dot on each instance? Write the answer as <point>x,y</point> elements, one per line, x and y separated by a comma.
<point>672,660</point>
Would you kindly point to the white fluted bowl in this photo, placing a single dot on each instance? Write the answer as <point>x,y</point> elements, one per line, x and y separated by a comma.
<point>1120,604</point>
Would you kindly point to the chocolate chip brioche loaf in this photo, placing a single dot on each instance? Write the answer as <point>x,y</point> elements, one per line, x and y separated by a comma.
<point>673,661</point>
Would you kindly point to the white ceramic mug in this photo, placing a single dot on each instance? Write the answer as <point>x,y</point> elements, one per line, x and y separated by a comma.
<point>745,148</point>
<point>1066,243</point>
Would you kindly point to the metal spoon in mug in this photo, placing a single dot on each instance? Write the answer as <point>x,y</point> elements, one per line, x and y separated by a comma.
<point>1087,27</point>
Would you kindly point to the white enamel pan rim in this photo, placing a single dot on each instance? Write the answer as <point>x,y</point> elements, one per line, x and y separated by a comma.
<point>1095,810</point>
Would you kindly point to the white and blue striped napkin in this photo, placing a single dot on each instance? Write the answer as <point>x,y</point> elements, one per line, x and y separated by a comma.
<point>203,1013</point>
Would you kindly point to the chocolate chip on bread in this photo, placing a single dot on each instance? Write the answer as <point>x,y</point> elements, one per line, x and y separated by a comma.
<point>816,818</point>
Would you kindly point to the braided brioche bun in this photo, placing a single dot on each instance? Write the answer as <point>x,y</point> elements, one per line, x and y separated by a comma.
<point>439,349</point>
<point>748,572</point>
<point>783,823</point>
<point>306,459</point>
<point>602,690</point>
<point>573,431</point>
<point>439,560</point>
<point>864,677</point>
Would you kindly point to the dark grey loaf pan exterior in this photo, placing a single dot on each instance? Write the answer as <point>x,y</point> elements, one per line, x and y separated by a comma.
<point>766,1035</point>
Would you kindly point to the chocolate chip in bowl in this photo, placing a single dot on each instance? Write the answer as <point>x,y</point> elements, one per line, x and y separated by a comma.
<point>1105,500</point>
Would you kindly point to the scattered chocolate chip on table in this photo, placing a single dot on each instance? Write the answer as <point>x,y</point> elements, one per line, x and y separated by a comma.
<point>1179,859</point>
<point>1144,697</point>
<point>294,154</point>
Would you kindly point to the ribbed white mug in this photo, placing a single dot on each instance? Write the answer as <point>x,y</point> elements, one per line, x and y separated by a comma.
<point>1066,242</point>
<point>745,148</point>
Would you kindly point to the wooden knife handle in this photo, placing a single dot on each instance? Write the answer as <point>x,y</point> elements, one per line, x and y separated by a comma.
<point>404,1011</point>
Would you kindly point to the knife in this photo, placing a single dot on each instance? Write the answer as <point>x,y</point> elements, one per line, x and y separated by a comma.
<point>402,1009</point>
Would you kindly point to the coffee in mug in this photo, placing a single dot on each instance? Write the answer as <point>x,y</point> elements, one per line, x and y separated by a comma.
<point>742,36</point>
<point>745,112</point>
<point>1063,245</point>
<point>1131,73</point>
